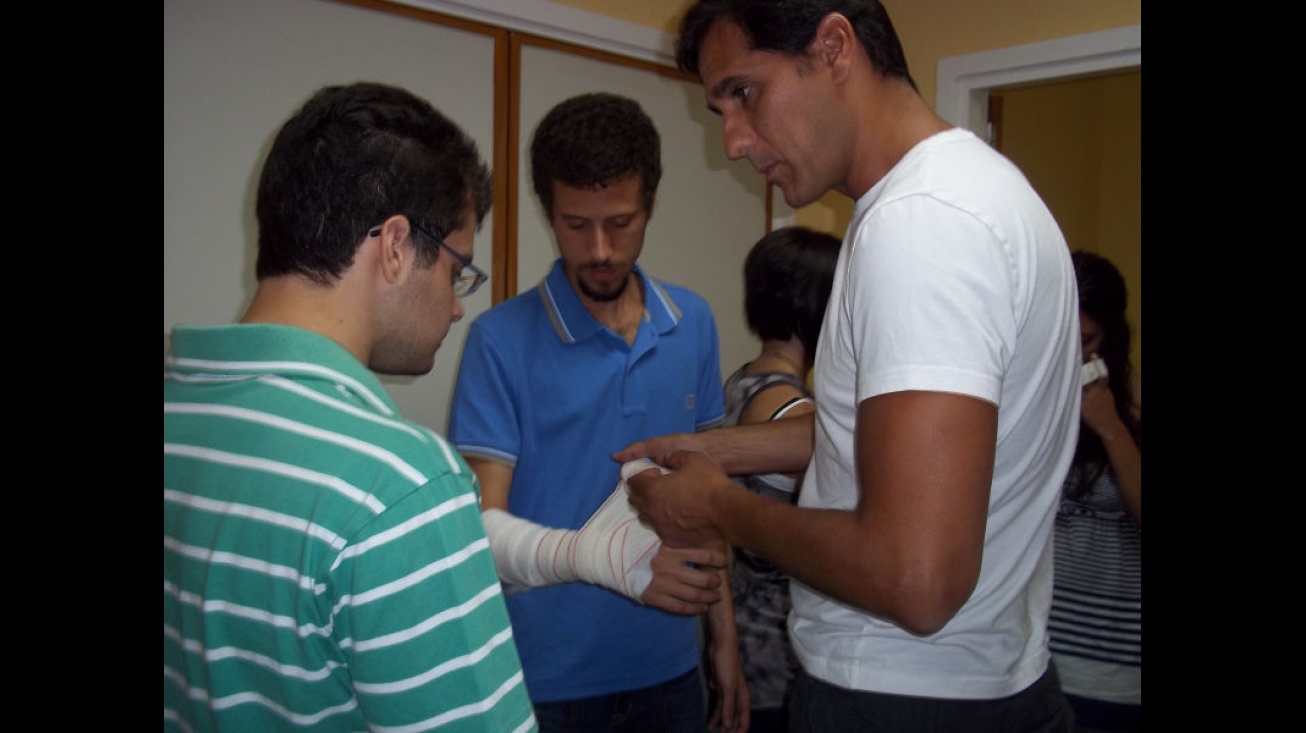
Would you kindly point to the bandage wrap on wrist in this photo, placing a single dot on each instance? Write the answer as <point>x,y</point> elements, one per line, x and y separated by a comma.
<point>525,552</point>
<point>612,549</point>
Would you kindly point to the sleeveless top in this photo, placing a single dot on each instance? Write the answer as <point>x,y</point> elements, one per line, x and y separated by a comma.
<point>760,591</point>
<point>1096,624</point>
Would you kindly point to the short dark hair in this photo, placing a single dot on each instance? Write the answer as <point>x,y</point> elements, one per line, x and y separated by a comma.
<point>788,275</point>
<point>351,157</point>
<point>789,26</point>
<point>592,140</point>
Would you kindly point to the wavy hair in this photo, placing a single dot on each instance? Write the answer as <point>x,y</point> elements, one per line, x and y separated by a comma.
<point>1104,297</point>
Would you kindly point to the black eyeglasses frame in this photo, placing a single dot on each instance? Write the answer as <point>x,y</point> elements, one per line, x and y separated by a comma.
<point>469,280</point>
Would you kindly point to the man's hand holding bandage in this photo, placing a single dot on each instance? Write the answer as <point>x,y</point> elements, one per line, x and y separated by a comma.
<point>613,550</point>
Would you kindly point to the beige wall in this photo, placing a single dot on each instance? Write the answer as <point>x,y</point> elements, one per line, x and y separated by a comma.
<point>930,30</point>
<point>934,29</point>
<point>1094,190</point>
<point>1080,145</point>
<point>971,27</point>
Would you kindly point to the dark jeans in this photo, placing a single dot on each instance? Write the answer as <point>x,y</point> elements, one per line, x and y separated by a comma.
<point>819,707</point>
<point>677,706</point>
<point>1098,715</point>
<point>770,720</point>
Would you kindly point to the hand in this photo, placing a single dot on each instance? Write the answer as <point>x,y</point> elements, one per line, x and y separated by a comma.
<point>1098,408</point>
<point>686,580</point>
<point>659,448</point>
<point>732,710</point>
<point>678,504</point>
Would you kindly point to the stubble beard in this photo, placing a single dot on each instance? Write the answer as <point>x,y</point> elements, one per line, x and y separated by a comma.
<point>602,296</point>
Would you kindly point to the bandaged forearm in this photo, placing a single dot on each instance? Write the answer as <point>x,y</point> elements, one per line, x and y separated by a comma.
<point>612,550</point>
<point>525,553</point>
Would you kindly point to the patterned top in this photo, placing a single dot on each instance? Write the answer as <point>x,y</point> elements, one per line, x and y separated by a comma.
<point>324,562</point>
<point>1096,625</point>
<point>760,591</point>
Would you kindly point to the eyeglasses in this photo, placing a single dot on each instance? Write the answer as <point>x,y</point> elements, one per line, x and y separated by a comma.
<point>468,280</point>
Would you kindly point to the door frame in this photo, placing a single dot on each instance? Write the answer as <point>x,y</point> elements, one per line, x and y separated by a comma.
<point>964,81</point>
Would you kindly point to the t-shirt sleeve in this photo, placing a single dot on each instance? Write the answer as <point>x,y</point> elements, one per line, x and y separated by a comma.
<point>483,418</point>
<point>711,397</point>
<point>933,310</point>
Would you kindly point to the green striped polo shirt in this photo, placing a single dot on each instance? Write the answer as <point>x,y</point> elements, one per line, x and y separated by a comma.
<point>324,562</point>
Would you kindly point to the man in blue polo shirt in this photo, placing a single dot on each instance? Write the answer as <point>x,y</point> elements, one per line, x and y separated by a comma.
<point>551,383</point>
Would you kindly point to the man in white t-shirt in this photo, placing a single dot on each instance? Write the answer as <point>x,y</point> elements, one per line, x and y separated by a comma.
<point>946,383</point>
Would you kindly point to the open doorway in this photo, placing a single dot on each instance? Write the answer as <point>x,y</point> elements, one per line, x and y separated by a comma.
<point>1079,142</point>
<point>1068,113</point>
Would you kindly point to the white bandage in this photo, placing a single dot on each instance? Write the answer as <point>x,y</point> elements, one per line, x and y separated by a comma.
<point>1092,371</point>
<point>612,550</point>
<point>524,551</point>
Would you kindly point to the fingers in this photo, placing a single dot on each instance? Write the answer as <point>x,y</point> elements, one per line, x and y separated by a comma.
<point>682,458</point>
<point>634,451</point>
<point>691,584</point>
<point>638,484</point>
<point>689,458</point>
<point>729,715</point>
<point>678,588</point>
<point>680,598</point>
<point>656,448</point>
<point>676,460</point>
<point>743,718</point>
<point>707,558</point>
<point>699,580</point>
<point>731,712</point>
<point>671,604</point>
<point>695,562</point>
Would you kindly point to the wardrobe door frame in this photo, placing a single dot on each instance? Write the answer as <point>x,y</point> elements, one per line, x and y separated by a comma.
<point>234,71</point>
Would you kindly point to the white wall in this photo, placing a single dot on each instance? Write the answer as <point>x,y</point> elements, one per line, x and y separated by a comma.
<point>709,211</point>
<point>235,70</point>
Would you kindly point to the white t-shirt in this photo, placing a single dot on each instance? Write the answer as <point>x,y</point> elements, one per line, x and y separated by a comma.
<point>953,277</point>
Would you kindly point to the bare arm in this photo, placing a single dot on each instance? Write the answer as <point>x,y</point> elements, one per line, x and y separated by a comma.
<point>732,706</point>
<point>911,550</point>
<point>732,711</point>
<point>1098,411</point>
<point>495,479</point>
<point>782,446</point>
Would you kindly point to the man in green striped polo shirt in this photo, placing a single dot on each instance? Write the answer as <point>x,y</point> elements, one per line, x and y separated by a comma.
<point>324,562</point>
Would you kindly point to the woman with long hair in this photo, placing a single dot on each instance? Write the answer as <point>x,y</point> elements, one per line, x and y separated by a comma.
<point>1096,620</point>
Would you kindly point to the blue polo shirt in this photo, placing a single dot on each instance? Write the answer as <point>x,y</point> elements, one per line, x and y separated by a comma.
<point>547,389</point>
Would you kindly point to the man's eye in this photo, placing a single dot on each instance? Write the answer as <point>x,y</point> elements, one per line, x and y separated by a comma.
<point>741,92</point>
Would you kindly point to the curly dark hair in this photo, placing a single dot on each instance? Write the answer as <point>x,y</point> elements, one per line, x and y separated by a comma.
<point>351,157</point>
<point>789,26</point>
<point>788,275</point>
<point>592,140</point>
<point>1104,297</point>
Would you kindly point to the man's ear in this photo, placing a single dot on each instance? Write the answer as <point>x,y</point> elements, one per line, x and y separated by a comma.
<point>391,255</point>
<point>834,44</point>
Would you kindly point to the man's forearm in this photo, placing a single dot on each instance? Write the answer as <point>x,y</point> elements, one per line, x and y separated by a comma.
<point>779,446</point>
